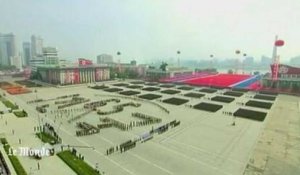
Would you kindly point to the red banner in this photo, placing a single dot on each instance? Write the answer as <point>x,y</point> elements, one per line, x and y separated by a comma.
<point>76,75</point>
<point>84,62</point>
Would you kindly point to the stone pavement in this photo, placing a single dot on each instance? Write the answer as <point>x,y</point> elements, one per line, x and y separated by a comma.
<point>204,143</point>
<point>278,148</point>
<point>23,130</point>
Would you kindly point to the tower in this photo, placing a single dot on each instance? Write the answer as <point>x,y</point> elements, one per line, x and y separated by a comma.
<point>275,59</point>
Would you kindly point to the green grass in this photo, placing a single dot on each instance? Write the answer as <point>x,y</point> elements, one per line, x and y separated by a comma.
<point>46,138</point>
<point>3,141</point>
<point>13,159</point>
<point>9,104</point>
<point>20,114</point>
<point>77,165</point>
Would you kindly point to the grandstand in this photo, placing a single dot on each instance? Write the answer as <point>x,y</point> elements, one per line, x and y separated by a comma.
<point>221,80</point>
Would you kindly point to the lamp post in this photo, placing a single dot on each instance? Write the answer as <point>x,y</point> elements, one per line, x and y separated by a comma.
<point>237,52</point>
<point>178,61</point>
<point>119,63</point>
<point>211,60</point>
<point>244,55</point>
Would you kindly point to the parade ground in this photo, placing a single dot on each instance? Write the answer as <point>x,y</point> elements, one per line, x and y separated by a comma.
<point>205,142</point>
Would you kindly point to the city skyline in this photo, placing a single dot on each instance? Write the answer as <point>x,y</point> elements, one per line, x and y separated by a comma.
<point>154,29</point>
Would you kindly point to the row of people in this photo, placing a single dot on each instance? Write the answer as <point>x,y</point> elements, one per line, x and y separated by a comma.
<point>87,132</point>
<point>146,117</point>
<point>72,103</point>
<point>79,116</point>
<point>143,138</point>
<point>34,101</point>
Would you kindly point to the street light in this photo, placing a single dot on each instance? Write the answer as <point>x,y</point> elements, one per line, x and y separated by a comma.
<point>244,55</point>
<point>211,61</point>
<point>178,61</point>
<point>119,62</point>
<point>237,52</point>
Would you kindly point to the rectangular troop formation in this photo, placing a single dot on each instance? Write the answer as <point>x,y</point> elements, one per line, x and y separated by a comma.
<point>86,129</point>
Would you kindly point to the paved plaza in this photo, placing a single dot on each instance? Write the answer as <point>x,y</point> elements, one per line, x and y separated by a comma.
<point>204,142</point>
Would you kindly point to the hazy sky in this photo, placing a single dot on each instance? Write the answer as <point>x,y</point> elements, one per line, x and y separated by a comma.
<point>150,29</point>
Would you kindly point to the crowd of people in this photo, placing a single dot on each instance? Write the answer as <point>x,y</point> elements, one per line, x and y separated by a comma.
<point>42,108</point>
<point>86,129</point>
<point>117,124</point>
<point>49,129</point>
<point>94,105</point>
<point>74,101</point>
<point>80,115</point>
<point>34,101</point>
<point>139,99</point>
<point>118,108</point>
<point>147,118</point>
<point>142,138</point>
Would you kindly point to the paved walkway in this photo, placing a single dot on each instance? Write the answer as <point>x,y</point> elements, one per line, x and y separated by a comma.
<point>22,128</point>
<point>277,151</point>
<point>204,143</point>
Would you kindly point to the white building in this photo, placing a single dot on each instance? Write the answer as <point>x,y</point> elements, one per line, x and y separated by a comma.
<point>16,61</point>
<point>104,59</point>
<point>34,63</point>
<point>7,48</point>
<point>50,55</point>
<point>36,46</point>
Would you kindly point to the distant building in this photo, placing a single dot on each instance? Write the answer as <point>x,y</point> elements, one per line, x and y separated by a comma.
<point>248,61</point>
<point>50,55</point>
<point>295,61</point>
<point>156,74</point>
<point>135,71</point>
<point>133,62</point>
<point>37,61</point>
<point>16,61</point>
<point>104,59</point>
<point>26,53</point>
<point>72,75</point>
<point>288,78</point>
<point>36,46</point>
<point>265,61</point>
<point>7,48</point>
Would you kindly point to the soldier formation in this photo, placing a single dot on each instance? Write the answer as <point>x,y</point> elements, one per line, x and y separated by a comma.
<point>147,118</point>
<point>86,129</point>
<point>74,101</point>
<point>49,129</point>
<point>118,108</point>
<point>143,138</point>
<point>42,108</point>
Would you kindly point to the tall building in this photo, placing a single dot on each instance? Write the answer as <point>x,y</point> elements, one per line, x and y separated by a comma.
<point>104,59</point>
<point>36,46</point>
<point>26,53</point>
<point>50,56</point>
<point>7,48</point>
<point>265,61</point>
<point>37,61</point>
<point>16,61</point>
